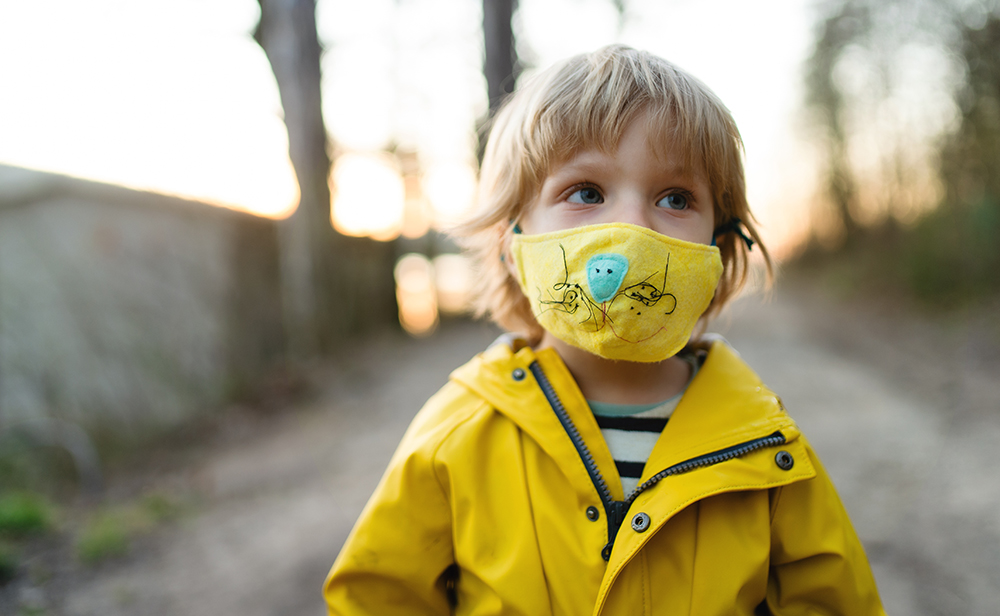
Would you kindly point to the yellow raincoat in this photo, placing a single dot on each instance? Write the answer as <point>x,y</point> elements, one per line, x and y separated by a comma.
<point>488,507</point>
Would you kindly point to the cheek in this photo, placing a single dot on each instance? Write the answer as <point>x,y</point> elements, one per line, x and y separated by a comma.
<point>705,229</point>
<point>541,216</point>
<point>694,231</point>
<point>708,231</point>
<point>531,221</point>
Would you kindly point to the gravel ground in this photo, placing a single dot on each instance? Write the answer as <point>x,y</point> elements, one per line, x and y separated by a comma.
<point>905,415</point>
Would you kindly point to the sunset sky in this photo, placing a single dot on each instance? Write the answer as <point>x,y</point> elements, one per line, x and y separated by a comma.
<point>175,96</point>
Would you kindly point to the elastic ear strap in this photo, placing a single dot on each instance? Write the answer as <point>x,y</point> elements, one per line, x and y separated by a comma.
<point>517,231</point>
<point>735,225</point>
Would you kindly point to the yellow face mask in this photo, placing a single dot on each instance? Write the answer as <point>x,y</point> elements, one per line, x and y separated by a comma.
<point>617,290</point>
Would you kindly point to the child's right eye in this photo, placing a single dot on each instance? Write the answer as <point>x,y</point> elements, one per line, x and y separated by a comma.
<point>587,195</point>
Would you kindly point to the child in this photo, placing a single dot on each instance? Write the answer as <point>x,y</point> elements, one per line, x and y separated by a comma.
<point>610,461</point>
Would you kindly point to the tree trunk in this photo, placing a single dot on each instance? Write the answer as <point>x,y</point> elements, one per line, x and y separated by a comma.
<point>287,33</point>
<point>501,66</point>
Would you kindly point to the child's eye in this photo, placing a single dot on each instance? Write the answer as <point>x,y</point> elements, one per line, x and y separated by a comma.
<point>587,195</point>
<point>674,201</point>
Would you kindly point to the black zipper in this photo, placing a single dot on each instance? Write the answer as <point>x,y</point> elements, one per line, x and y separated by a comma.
<point>612,508</point>
<point>615,510</point>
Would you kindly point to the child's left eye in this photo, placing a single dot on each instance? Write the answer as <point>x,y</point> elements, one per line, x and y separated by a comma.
<point>674,201</point>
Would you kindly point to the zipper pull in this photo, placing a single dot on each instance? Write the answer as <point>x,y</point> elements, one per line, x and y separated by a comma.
<point>615,511</point>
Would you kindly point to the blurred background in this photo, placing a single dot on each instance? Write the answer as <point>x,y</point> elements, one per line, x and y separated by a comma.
<point>223,235</point>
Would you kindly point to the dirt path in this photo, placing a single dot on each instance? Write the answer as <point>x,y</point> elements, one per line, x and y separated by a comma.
<point>907,429</point>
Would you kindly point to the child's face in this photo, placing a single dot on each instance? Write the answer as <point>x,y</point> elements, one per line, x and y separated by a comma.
<point>629,185</point>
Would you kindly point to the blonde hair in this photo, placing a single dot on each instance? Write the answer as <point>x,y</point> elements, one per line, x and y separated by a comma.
<point>584,102</point>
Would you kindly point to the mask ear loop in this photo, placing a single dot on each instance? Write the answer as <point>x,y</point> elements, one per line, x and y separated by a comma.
<point>735,225</point>
<point>517,231</point>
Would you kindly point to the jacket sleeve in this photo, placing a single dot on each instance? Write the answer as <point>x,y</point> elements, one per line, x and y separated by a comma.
<point>396,557</point>
<point>817,563</point>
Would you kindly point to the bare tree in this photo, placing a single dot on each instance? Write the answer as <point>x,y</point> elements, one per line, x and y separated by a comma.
<point>910,173</point>
<point>332,286</point>
<point>971,155</point>
<point>875,82</point>
<point>500,66</point>
<point>287,33</point>
<point>836,32</point>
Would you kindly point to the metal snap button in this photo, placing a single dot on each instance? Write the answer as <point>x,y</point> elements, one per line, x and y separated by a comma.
<point>593,514</point>
<point>518,374</point>
<point>784,460</point>
<point>640,522</point>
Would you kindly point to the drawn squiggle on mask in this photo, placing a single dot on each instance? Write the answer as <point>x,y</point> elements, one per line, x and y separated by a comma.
<point>566,296</point>
<point>570,295</point>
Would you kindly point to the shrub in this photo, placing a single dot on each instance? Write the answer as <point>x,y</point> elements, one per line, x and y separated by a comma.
<point>23,513</point>
<point>104,536</point>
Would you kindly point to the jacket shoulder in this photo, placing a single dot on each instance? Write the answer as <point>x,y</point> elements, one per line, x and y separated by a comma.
<point>453,405</point>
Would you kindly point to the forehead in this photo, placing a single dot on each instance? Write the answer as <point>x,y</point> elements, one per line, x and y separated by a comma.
<point>659,137</point>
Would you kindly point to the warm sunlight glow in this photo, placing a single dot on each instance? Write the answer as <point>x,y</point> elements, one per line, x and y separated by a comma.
<point>418,310</point>
<point>450,186</point>
<point>453,280</point>
<point>369,196</point>
<point>417,213</point>
<point>102,90</point>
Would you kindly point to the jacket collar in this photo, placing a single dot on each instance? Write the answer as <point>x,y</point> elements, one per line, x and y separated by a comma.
<point>725,405</point>
<point>502,376</point>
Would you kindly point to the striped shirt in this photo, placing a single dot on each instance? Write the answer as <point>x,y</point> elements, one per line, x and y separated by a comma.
<point>631,431</point>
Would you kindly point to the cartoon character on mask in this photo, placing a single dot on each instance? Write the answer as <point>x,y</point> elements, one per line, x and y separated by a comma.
<point>617,290</point>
